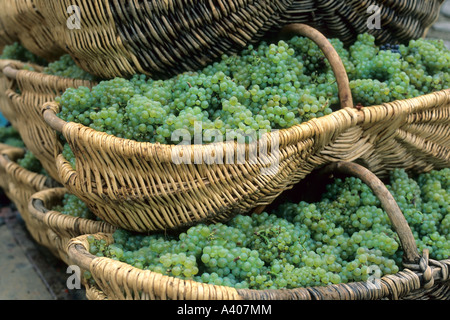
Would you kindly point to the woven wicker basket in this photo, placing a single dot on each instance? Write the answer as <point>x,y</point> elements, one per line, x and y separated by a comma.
<point>12,153</point>
<point>164,38</point>
<point>64,226</point>
<point>6,84</point>
<point>399,21</point>
<point>22,184</point>
<point>139,186</point>
<point>422,278</point>
<point>21,21</point>
<point>23,108</point>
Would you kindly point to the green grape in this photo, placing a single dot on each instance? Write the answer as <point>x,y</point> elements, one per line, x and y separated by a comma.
<point>17,51</point>
<point>266,87</point>
<point>10,136</point>
<point>66,67</point>
<point>31,163</point>
<point>73,206</point>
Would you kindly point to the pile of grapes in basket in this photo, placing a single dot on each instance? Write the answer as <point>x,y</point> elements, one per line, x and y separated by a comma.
<point>266,87</point>
<point>344,237</point>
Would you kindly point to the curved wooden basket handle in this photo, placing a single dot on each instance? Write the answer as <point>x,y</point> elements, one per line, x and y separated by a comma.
<point>298,29</point>
<point>49,111</point>
<point>411,254</point>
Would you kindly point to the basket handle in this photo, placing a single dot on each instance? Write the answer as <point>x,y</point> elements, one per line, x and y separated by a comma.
<point>39,201</point>
<point>49,111</point>
<point>299,29</point>
<point>411,254</point>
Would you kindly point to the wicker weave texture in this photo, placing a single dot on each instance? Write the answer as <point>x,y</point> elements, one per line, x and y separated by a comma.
<point>421,278</point>
<point>388,21</point>
<point>64,227</point>
<point>22,184</point>
<point>21,21</point>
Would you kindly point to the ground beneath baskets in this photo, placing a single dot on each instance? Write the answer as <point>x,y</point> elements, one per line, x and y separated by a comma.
<point>29,271</point>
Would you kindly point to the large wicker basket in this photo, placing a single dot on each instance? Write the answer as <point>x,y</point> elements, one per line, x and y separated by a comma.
<point>25,92</point>
<point>139,186</point>
<point>164,38</point>
<point>422,278</point>
<point>22,184</point>
<point>66,227</point>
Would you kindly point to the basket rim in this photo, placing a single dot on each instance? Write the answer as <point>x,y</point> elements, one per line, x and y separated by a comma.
<point>19,65</point>
<point>50,217</point>
<point>14,69</point>
<point>36,179</point>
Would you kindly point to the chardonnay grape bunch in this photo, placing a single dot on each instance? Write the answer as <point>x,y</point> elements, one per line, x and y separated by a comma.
<point>10,136</point>
<point>17,51</point>
<point>71,205</point>
<point>31,163</point>
<point>66,67</point>
<point>266,87</point>
<point>344,237</point>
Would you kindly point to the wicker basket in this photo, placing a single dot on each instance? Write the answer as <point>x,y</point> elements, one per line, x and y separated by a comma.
<point>399,21</point>
<point>23,108</point>
<point>164,38</point>
<point>422,278</point>
<point>64,226</point>
<point>139,186</point>
<point>22,184</point>
<point>12,153</point>
<point>6,84</point>
<point>21,21</point>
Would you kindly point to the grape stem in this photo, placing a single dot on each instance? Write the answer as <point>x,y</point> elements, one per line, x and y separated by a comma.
<point>388,203</point>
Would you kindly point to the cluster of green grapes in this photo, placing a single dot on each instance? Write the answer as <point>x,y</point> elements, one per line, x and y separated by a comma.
<point>266,87</point>
<point>31,163</point>
<point>66,67</point>
<point>344,237</point>
<point>10,136</point>
<point>398,72</point>
<point>17,51</point>
<point>73,206</point>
